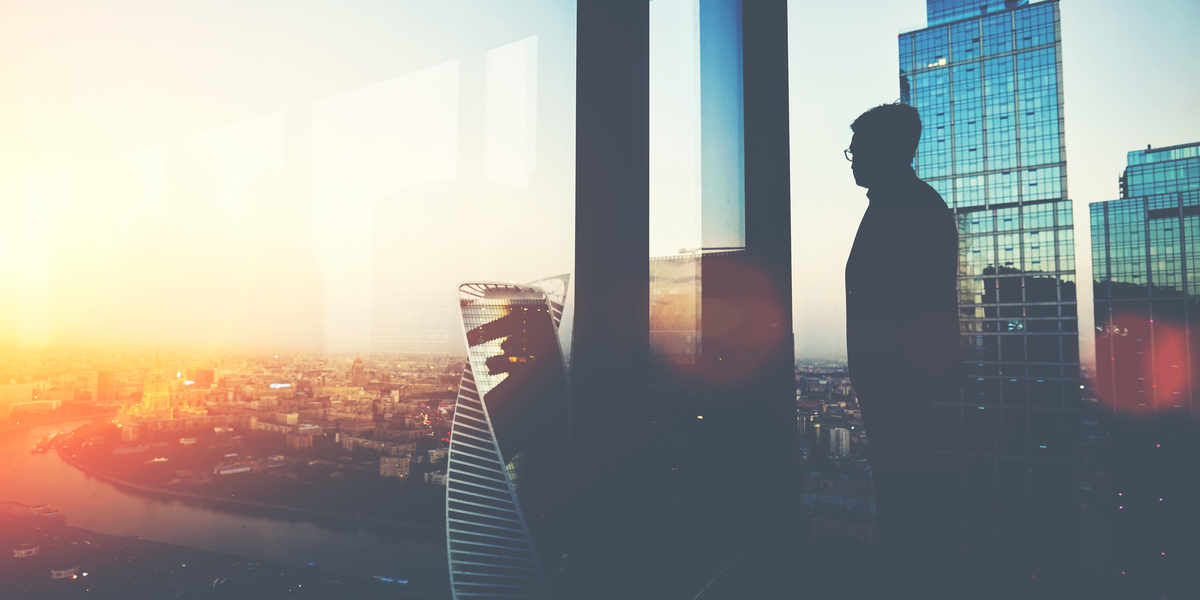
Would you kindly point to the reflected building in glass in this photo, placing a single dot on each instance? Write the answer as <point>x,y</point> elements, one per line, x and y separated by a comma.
<point>1146,264</point>
<point>507,472</point>
<point>986,77</point>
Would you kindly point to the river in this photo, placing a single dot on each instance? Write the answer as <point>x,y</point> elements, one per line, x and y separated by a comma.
<point>336,547</point>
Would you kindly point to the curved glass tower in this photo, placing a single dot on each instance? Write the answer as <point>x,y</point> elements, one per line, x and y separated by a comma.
<point>507,476</point>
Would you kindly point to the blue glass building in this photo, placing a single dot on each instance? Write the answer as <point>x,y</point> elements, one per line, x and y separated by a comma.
<point>986,78</point>
<point>1146,265</point>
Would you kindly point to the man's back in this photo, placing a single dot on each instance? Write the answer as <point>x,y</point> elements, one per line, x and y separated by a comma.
<point>902,342</point>
<point>901,315</point>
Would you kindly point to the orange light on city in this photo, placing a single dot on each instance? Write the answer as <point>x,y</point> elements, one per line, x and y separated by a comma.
<point>1148,366</point>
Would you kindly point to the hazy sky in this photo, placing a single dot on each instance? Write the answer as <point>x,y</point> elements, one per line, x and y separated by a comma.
<point>124,123</point>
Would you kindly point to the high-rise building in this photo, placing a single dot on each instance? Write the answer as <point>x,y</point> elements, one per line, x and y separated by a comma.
<point>204,378</point>
<point>986,77</point>
<point>14,393</point>
<point>357,374</point>
<point>105,387</point>
<point>507,471</point>
<point>1146,265</point>
<point>156,395</point>
<point>839,441</point>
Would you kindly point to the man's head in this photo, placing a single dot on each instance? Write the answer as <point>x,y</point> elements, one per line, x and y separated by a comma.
<point>884,143</point>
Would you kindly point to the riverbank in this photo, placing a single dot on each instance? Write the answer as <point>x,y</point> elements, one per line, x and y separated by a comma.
<point>131,486</point>
<point>109,566</point>
<point>11,427</point>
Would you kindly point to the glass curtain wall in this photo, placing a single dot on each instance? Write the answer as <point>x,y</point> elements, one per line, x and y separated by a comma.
<point>987,80</point>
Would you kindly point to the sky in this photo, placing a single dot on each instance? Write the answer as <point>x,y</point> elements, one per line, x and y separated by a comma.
<point>437,146</point>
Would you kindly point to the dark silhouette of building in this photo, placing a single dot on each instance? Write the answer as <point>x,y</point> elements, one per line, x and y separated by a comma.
<point>1146,265</point>
<point>105,388</point>
<point>651,424</point>
<point>986,78</point>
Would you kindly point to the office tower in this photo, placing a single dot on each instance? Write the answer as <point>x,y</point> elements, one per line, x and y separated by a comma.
<point>986,77</point>
<point>357,376</point>
<point>105,387</point>
<point>156,402</point>
<point>14,393</point>
<point>1146,265</point>
<point>507,472</point>
<point>204,378</point>
<point>839,441</point>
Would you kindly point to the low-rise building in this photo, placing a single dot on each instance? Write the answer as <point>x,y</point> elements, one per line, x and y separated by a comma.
<point>299,441</point>
<point>394,466</point>
<point>64,572</point>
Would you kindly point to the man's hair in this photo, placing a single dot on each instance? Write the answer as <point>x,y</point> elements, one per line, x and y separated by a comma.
<point>895,129</point>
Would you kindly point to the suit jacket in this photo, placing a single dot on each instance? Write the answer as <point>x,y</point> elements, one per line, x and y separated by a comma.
<point>901,308</point>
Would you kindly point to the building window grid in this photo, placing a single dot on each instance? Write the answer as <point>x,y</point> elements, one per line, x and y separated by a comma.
<point>1127,245</point>
<point>997,34</point>
<point>1038,107</point>
<point>967,107</point>
<point>1191,249</point>
<point>1162,177</point>
<point>931,47</point>
<point>1035,26</point>
<point>1099,222</point>
<point>1044,183</point>
<point>1066,250</point>
<point>931,98</point>
<point>1166,260</point>
<point>960,153</point>
<point>1000,113</point>
<point>969,191</point>
<point>906,53</point>
<point>1065,216</point>
<point>964,41</point>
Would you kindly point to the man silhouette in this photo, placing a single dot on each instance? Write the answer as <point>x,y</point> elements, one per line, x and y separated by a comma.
<point>902,343</point>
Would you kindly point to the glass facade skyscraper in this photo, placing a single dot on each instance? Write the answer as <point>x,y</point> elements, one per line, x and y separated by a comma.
<point>507,473</point>
<point>1146,264</point>
<point>986,78</point>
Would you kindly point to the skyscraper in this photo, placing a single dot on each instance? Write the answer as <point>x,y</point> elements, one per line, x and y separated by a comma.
<point>839,441</point>
<point>204,378</point>
<point>507,471</point>
<point>986,77</point>
<point>1146,264</point>
<point>105,387</point>
<point>357,374</point>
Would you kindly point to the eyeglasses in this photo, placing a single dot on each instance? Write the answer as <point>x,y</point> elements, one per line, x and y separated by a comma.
<point>849,155</point>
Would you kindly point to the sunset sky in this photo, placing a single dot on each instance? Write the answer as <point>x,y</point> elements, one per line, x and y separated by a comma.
<point>213,174</point>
